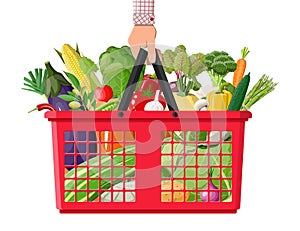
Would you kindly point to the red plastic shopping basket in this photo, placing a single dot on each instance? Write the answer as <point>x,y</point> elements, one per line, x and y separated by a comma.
<point>170,161</point>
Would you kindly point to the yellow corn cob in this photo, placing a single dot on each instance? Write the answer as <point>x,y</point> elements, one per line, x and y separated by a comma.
<point>71,59</point>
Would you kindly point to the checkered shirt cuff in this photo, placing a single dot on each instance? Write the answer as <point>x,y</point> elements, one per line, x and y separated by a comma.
<point>143,12</point>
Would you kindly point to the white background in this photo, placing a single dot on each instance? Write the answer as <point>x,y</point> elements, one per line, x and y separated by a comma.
<point>31,29</point>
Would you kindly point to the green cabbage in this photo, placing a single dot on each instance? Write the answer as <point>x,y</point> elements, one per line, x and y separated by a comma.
<point>116,65</point>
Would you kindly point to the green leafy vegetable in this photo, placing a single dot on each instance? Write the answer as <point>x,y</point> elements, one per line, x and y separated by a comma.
<point>37,81</point>
<point>187,68</point>
<point>168,60</point>
<point>116,65</point>
<point>181,62</point>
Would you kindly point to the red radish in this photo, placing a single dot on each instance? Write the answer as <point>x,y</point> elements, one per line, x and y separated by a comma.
<point>214,194</point>
<point>103,93</point>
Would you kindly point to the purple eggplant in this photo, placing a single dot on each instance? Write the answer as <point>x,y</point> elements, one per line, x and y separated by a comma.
<point>57,102</point>
<point>56,85</point>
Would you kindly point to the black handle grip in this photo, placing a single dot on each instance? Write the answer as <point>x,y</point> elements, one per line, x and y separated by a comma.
<point>164,84</point>
<point>134,77</point>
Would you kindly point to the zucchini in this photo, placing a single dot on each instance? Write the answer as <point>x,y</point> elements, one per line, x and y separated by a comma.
<point>239,94</point>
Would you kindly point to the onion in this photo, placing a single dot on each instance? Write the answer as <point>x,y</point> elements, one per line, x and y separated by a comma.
<point>214,194</point>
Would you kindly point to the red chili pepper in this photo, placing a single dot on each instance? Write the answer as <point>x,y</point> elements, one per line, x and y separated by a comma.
<point>146,93</point>
<point>43,106</point>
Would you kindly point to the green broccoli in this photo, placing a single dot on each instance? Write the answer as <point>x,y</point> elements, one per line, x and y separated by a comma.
<point>219,64</point>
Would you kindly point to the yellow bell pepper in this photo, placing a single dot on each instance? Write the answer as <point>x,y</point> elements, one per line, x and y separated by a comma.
<point>218,100</point>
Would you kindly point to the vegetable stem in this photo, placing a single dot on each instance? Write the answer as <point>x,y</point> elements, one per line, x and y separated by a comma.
<point>245,51</point>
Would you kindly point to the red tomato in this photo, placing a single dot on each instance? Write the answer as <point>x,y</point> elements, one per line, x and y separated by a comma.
<point>103,93</point>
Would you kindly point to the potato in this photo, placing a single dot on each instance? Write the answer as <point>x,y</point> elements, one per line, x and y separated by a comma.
<point>166,196</point>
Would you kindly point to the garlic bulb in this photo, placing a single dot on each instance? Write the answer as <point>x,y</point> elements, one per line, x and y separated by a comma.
<point>154,105</point>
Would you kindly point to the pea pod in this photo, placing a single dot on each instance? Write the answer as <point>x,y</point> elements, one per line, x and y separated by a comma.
<point>110,106</point>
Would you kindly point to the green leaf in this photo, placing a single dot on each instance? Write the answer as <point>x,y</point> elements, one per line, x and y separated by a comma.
<point>72,94</point>
<point>196,85</point>
<point>55,86</point>
<point>45,76</point>
<point>74,81</point>
<point>181,63</point>
<point>30,86</point>
<point>112,49</point>
<point>180,48</point>
<point>36,72</point>
<point>91,96</point>
<point>111,72</point>
<point>94,81</point>
<point>126,50</point>
<point>87,65</point>
<point>196,65</point>
<point>119,82</point>
<point>26,89</point>
<point>48,87</point>
<point>85,98</point>
<point>104,61</point>
<point>60,55</point>
<point>29,81</point>
<point>94,104</point>
<point>60,79</point>
<point>67,98</point>
<point>39,76</point>
<point>77,49</point>
<point>115,66</point>
<point>89,68</point>
<point>168,58</point>
<point>32,76</point>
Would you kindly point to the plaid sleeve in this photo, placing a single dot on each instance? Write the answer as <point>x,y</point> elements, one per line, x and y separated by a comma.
<point>143,12</point>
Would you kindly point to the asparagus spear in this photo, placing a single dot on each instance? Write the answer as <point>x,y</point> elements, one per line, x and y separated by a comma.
<point>262,88</point>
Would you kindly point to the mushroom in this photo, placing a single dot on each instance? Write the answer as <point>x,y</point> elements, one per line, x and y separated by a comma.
<point>201,105</point>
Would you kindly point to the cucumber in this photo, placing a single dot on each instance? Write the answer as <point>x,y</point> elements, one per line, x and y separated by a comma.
<point>239,94</point>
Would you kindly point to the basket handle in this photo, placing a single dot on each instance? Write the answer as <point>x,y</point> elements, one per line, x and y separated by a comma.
<point>134,77</point>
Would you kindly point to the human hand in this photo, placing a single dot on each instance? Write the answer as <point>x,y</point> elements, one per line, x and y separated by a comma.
<point>143,36</point>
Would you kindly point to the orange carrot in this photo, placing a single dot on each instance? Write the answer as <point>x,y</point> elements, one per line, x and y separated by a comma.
<point>241,67</point>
